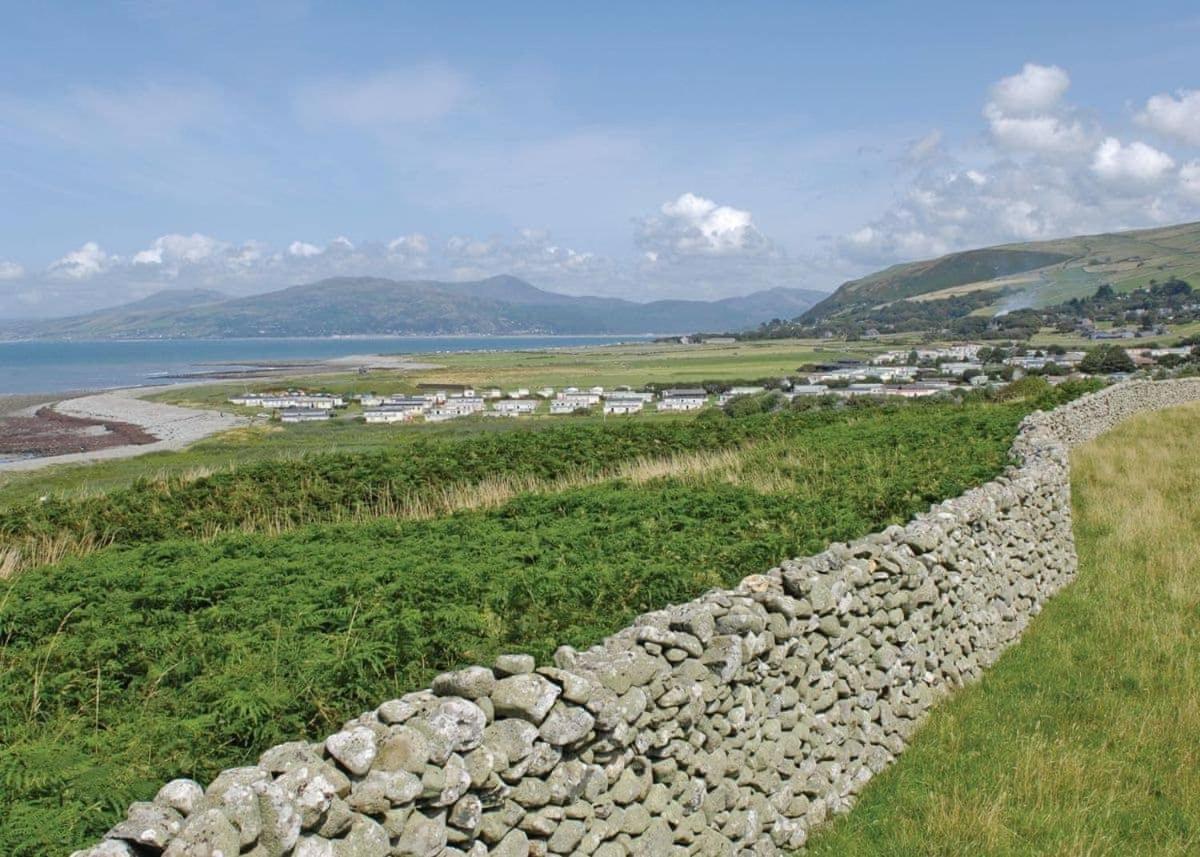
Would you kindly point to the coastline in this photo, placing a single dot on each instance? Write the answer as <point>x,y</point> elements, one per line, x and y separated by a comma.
<point>125,413</point>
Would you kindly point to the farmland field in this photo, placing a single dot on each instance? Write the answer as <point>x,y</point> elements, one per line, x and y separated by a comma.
<point>175,656</point>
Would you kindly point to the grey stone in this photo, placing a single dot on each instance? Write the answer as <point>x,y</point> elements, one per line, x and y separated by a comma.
<point>148,824</point>
<point>424,836</point>
<point>459,722</point>
<point>404,749</point>
<point>206,834</point>
<point>512,738</point>
<point>469,683</point>
<point>181,795</point>
<point>528,696</point>
<point>354,748</point>
<point>515,844</point>
<point>510,665</point>
<point>566,724</point>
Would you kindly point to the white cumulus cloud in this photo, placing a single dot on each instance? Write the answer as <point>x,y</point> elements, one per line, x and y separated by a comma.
<point>415,244</point>
<point>1176,116</point>
<point>81,264</point>
<point>692,225</point>
<point>1035,89</point>
<point>1134,165</point>
<point>1049,134</point>
<point>1025,113</point>
<point>179,249</point>
<point>10,270</point>
<point>303,249</point>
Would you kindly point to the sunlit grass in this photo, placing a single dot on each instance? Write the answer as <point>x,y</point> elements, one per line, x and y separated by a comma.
<point>1085,738</point>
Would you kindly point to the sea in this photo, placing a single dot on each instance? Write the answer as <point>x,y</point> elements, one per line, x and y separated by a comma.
<point>56,367</point>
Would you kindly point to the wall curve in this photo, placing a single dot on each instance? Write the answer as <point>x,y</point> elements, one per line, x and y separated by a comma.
<point>732,724</point>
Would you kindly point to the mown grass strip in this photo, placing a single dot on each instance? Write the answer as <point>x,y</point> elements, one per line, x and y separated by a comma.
<point>1085,738</point>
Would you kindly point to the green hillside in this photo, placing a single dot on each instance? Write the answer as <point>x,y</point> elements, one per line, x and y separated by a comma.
<point>1035,274</point>
<point>371,305</point>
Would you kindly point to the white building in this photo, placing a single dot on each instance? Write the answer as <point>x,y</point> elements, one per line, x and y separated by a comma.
<point>291,401</point>
<point>515,407</point>
<point>689,399</point>
<point>807,390</point>
<point>463,403</point>
<point>578,399</point>
<point>623,406</point>
<point>863,390</point>
<point>305,415</point>
<point>560,407</point>
<point>626,393</point>
<point>734,392</point>
<point>390,414</point>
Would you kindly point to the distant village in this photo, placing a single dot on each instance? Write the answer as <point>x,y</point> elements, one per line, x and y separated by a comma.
<point>908,374</point>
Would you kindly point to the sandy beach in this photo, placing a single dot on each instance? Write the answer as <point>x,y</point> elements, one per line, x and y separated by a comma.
<point>121,424</point>
<point>171,426</point>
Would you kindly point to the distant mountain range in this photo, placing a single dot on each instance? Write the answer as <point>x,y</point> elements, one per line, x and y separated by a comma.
<point>347,306</point>
<point>1013,276</point>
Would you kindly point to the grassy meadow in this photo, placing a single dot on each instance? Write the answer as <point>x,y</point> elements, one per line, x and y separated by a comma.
<point>1085,738</point>
<point>634,364</point>
<point>174,656</point>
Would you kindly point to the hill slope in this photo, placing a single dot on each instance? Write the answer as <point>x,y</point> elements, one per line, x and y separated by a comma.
<point>369,305</point>
<point>1019,275</point>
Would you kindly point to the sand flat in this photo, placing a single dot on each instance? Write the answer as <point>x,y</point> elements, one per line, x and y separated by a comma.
<point>173,426</point>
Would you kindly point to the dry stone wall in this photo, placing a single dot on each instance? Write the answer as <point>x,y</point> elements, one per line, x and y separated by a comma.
<point>728,725</point>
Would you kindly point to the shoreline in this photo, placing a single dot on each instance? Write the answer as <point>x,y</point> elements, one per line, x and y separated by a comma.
<point>154,427</point>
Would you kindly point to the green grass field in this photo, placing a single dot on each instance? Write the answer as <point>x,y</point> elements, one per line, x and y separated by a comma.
<point>1084,739</point>
<point>636,365</point>
<point>179,657</point>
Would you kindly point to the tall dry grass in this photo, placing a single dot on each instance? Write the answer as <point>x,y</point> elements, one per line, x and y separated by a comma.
<point>730,464</point>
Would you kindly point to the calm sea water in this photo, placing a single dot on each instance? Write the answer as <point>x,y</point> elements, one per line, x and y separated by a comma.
<point>52,367</point>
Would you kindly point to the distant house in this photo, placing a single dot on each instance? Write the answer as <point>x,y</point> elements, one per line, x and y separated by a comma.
<point>917,391</point>
<point>289,401</point>
<point>689,399</point>
<point>545,392</point>
<point>863,390</point>
<point>807,390</point>
<point>623,406</point>
<point>408,403</point>
<point>515,407</point>
<point>734,392</point>
<point>493,393</point>
<point>463,404</point>
<point>304,415</point>
<point>560,407</point>
<point>578,399</point>
<point>390,414</point>
<point>625,393</point>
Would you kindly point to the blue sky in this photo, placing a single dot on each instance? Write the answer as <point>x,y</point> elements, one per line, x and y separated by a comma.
<point>643,150</point>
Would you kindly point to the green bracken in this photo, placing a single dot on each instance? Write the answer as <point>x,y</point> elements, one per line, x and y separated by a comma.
<point>179,657</point>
